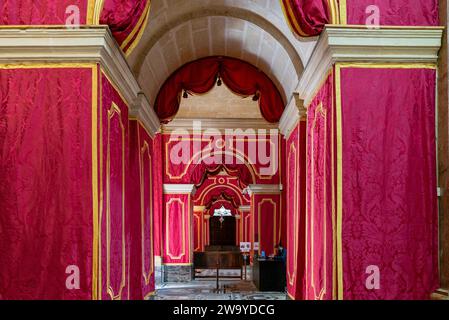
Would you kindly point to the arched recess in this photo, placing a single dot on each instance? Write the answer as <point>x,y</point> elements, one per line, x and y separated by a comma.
<point>201,76</point>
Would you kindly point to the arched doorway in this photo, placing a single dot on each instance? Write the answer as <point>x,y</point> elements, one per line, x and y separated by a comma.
<point>222,233</point>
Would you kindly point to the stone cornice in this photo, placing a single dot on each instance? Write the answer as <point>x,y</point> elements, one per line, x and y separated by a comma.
<point>292,114</point>
<point>219,124</point>
<point>179,189</point>
<point>144,112</point>
<point>360,44</point>
<point>264,189</point>
<point>84,44</point>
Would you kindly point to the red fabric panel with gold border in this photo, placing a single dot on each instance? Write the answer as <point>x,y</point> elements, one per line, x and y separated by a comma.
<point>320,261</point>
<point>296,210</point>
<point>158,193</point>
<point>141,216</point>
<point>246,223</point>
<point>177,229</point>
<point>387,186</point>
<point>266,218</point>
<point>198,236</point>
<point>114,233</point>
<point>48,183</point>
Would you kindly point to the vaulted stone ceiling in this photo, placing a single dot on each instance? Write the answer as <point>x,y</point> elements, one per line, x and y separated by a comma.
<point>180,31</point>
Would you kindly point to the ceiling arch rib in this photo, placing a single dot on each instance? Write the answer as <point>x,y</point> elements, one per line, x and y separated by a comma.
<point>179,33</point>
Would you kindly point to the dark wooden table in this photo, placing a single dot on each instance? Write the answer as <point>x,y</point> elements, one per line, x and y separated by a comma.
<point>269,275</point>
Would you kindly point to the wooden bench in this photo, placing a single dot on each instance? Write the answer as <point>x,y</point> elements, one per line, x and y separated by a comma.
<point>218,260</point>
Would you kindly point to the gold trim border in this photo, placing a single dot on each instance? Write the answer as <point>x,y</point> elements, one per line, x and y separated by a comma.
<point>115,111</point>
<point>138,28</point>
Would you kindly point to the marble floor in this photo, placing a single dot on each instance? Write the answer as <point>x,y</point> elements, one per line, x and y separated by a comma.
<point>205,289</point>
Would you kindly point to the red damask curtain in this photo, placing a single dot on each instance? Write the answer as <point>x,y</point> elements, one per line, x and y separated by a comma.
<point>158,193</point>
<point>394,12</point>
<point>114,230</point>
<point>44,12</point>
<point>296,210</point>
<point>46,182</point>
<point>200,76</point>
<point>389,217</point>
<point>177,229</point>
<point>127,20</point>
<point>307,18</point>
<point>320,199</point>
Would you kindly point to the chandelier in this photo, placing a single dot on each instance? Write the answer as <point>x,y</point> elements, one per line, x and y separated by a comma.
<point>222,213</point>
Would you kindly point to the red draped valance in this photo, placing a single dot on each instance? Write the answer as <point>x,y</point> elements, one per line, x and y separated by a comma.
<point>307,18</point>
<point>226,195</point>
<point>202,171</point>
<point>200,76</point>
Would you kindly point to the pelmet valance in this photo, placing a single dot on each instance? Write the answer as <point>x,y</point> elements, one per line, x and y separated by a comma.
<point>202,171</point>
<point>201,76</point>
<point>222,195</point>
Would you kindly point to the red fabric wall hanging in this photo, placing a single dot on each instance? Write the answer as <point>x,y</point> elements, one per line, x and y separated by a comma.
<point>158,194</point>
<point>320,222</point>
<point>307,18</point>
<point>201,76</point>
<point>141,216</point>
<point>177,229</point>
<point>296,210</point>
<point>127,20</point>
<point>46,170</point>
<point>393,13</point>
<point>389,188</point>
<point>115,239</point>
<point>46,12</point>
<point>266,221</point>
